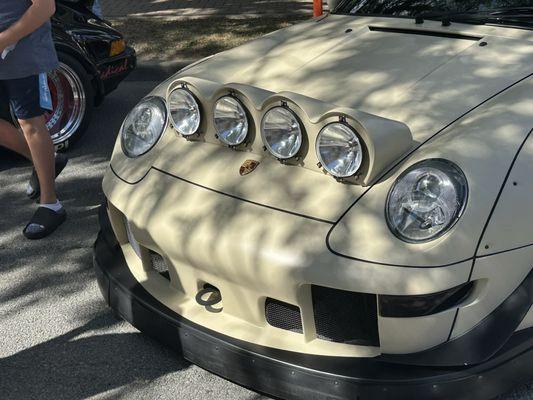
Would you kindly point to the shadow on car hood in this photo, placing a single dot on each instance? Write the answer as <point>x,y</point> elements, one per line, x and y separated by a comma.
<point>423,75</point>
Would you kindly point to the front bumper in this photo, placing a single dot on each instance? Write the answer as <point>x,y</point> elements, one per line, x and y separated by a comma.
<point>114,70</point>
<point>292,375</point>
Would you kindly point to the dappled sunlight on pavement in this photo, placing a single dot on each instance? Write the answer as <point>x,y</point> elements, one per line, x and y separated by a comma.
<point>58,339</point>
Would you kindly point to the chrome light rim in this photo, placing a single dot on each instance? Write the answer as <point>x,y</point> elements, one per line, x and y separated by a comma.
<point>300,137</point>
<point>244,112</point>
<point>164,127</point>
<point>196,105</point>
<point>433,162</point>
<point>324,164</point>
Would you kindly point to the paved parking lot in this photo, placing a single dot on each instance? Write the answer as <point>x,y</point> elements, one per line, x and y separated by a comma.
<point>57,338</point>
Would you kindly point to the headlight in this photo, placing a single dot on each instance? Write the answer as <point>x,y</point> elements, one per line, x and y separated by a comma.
<point>143,126</point>
<point>281,132</point>
<point>184,111</point>
<point>426,200</point>
<point>231,123</point>
<point>339,150</point>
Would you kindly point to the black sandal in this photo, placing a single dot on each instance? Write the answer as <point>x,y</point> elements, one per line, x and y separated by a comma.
<point>44,222</point>
<point>34,190</point>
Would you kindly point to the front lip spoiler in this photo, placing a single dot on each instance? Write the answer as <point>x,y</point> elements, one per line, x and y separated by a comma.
<point>290,375</point>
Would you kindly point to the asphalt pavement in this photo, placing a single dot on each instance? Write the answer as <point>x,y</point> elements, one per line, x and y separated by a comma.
<point>58,340</point>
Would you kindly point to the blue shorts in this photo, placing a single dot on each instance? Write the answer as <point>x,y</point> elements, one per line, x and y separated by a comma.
<point>23,95</point>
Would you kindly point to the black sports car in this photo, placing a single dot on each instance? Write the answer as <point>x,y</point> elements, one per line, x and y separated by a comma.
<point>94,59</point>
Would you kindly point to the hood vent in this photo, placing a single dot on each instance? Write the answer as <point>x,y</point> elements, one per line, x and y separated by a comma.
<point>451,35</point>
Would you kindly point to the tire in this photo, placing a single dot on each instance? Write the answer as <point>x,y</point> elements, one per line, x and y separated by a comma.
<point>73,99</point>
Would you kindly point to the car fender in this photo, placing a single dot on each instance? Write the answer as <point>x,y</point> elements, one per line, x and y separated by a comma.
<point>483,143</point>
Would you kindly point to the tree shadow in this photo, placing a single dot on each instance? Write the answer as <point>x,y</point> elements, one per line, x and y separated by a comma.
<point>74,366</point>
<point>81,192</point>
<point>172,8</point>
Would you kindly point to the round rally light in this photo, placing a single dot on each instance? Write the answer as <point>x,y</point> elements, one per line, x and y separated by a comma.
<point>184,111</point>
<point>281,132</point>
<point>143,126</point>
<point>339,150</point>
<point>231,123</point>
<point>426,200</point>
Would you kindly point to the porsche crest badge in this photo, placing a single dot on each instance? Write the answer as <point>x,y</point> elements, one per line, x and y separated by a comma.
<point>248,166</point>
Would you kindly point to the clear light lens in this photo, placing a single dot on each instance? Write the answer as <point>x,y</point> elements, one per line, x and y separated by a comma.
<point>426,200</point>
<point>184,112</point>
<point>339,150</point>
<point>231,122</point>
<point>143,126</point>
<point>281,132</point>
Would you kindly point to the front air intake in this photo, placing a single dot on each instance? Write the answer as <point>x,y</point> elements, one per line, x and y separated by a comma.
<point>421,32</point>
<point>283,315</point>
<point>345,317</point>
<point>158,264</point>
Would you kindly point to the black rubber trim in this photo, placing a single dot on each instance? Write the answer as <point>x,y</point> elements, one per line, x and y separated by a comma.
<point>393,167</point>
<point>484,340</point>
<point>451,35</point>
<point>295,376</point>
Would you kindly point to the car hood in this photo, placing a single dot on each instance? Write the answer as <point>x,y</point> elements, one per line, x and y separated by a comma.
<point>425,76</point>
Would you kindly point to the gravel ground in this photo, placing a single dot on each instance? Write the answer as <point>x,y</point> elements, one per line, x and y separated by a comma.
<point>159,40</point>
<point>57,338</point>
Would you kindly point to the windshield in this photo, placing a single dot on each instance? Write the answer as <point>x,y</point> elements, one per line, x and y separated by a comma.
<point>512,12</point>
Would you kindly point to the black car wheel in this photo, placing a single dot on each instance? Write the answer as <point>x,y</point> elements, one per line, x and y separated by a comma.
<point>72,99</point>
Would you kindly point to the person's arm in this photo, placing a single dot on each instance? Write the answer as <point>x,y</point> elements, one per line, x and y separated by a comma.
<point>36,15</point>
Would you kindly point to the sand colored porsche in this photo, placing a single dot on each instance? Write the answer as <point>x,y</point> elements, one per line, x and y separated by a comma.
<point>340,209</point>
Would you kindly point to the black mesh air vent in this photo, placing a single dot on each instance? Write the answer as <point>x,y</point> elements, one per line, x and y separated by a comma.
<point>159,264</point>
<point>345,317</point>
<point>283,315</point>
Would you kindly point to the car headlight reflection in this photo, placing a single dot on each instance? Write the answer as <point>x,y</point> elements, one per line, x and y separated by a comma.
<point>143,126</point>
<point>231,122</point>
<point>184,111</point>
<point>339,150</point>
<point>281,133</point>
<point>426,200</point>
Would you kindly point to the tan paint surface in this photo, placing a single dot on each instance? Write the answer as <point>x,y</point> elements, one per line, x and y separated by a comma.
<point>246,236</point>
<point>422,81</point>
<point>511,224</point>
<point>250,252</point>
<point>500,275</point>
<point>483,146</point>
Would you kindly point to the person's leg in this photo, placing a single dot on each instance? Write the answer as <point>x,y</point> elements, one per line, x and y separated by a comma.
<point>12,139</point>
<point>42,154</point>
<point>25,101</point>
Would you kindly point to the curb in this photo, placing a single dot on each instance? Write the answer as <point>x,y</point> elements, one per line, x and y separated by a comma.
<point>156,70</point>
